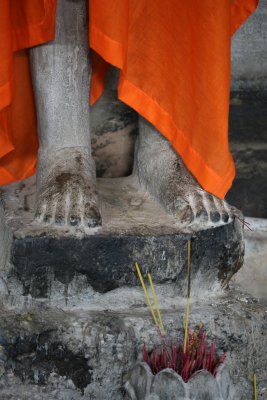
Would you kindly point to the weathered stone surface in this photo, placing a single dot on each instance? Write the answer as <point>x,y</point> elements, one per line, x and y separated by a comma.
<point>252,277</point>
<point>134,229</point>
<point>248,52</point>
<point>5,238</point>
<point>82,351</point>
<point>248,114</point>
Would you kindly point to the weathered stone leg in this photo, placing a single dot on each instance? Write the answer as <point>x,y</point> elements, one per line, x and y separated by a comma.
<point>162,172</point>
<point>61,71</point>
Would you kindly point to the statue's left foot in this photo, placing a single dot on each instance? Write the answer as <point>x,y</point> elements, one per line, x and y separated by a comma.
<point>162,172</point>
<point>192,205</point>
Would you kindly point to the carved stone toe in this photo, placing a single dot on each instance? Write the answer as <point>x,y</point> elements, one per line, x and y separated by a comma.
<point>201,216</point>
<point>225,217</point>
<point>74,220</point>
<point>215,216</point>
<point>59,219</point>
<point>92,217</point>
<point>208,209</point>
<point>183,212</point>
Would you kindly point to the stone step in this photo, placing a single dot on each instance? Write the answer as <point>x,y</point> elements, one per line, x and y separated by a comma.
<point>74,353</point>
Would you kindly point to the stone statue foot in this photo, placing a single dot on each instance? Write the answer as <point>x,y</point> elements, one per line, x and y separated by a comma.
<point>66,188</point>
<point>162,172</point>
<point>192,205</point>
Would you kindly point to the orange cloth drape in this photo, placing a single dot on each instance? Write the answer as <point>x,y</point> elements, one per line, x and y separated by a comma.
<point>174,59</point>
<point>23,24</point>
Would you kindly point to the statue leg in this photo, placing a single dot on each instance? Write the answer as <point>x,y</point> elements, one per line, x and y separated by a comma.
<point>66,178</point>
<point>162,172</point>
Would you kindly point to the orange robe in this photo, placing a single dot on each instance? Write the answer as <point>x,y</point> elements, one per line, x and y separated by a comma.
<point>174,58</point>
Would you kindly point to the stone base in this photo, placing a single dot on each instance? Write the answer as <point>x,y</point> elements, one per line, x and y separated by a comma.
<point>252,277</point>
<point>65,335</point>
<point>82,352</point>
<point>47,259</point>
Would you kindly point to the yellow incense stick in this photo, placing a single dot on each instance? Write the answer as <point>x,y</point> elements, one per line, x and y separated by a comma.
<point>146,294</point>
<point>187,295</point>
<point>255,386</point>
<point>156,304</point>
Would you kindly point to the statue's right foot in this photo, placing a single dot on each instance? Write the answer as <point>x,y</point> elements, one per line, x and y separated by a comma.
<point>66,188</point>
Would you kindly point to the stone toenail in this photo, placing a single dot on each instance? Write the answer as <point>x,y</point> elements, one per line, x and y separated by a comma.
<point>94,222</point>
<point>38,215</point>
<point>47,218</point>
<point>59,219</point>
<point>225,217</point>
<point>74,220</point>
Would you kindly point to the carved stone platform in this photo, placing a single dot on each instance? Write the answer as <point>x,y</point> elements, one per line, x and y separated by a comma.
<point>135,228</point>
<point>83,351</point>
<point>65,335</point>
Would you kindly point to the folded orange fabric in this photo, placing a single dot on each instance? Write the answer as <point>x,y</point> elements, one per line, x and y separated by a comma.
<point>174,59</point>
<point>23,24</point>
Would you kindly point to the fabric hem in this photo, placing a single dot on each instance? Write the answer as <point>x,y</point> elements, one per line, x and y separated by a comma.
<point>7,177</point>
<point>242,9</point>
<point>38,33</point>
<point>109,49</point>
<point>155,114</point>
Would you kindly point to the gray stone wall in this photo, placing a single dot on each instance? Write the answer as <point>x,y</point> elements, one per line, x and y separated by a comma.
<point>248,115</point>
<point>249,52</point>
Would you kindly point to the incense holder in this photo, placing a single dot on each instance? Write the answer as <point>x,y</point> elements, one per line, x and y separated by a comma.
<point>141,384</point>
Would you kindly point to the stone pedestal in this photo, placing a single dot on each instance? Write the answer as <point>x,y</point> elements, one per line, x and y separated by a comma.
<point>73,315</point>
<point>81,351</point>
<point>46,259</point>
